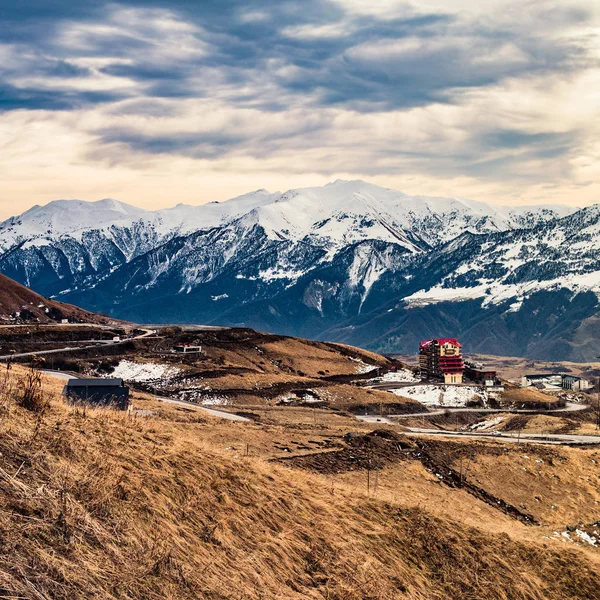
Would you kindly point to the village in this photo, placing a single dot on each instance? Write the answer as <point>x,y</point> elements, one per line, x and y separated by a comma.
<point>441,376</point>
<point>445,434</point>
<point>241,374</point>
<point>442,379</point>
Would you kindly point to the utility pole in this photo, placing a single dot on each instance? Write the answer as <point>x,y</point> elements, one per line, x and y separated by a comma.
<point>598,407</point>
<point>597,403</point>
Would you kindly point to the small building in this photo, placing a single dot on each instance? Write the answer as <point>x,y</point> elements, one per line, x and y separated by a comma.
<point>555,382</point>
<point>577,384</point>
<point>109,393</point>
<point>478,373</point>
<point>185,348</point>
<point>441,358</point>
<point>543,381</point>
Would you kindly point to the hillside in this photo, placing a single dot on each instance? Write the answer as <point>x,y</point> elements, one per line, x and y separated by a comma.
<point>237,369</point>
<point>16,298</point>
<point>95,504</point>
<point>348,262</point>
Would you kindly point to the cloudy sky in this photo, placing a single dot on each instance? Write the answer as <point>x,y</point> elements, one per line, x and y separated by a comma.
<point>156,102</point>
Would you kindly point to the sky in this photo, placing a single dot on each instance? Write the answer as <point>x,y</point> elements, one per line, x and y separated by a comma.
<point>155,103</point>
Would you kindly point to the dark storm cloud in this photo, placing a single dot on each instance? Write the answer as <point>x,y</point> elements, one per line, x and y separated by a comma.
<point>360,67</point>
<point>207,145</point>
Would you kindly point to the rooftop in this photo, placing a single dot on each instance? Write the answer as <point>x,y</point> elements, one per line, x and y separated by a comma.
<point>95,383</point>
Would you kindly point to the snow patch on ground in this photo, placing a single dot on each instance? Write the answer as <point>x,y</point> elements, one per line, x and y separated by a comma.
<point>362,367</point>
<point>442,395</point>
<point>143,372</point>
<point>586,537</point>
<point>579,536</point>
<point>401,376</point>
<point>215,401</point>
<point>487,424</point>
<point>311,397</point>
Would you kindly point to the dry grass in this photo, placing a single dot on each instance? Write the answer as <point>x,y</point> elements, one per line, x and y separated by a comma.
<point>97,504</point>
<point>558,485</point>
<point>412,485</point>
<point>526,397</point>
<point>260,368</point>
<point>256,381</point>
<point>294,357</point>
<point>358,399</point>
<point>317,360</point>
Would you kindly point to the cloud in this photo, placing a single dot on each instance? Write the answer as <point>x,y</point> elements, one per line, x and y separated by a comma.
<point>317,54</point>
<point>497,96</point>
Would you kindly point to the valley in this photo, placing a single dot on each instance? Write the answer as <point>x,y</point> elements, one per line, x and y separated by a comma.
<point>304,487</point>
<point>232,426</point>
<point>300,300</point>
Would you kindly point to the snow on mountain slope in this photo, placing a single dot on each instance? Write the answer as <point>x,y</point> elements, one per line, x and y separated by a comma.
<point>343,211</point>
<point>73,218</point>
<point>346,257</point>
<point>516,264</point>
<point>185,219</point>
<point>73,244</point>
<point>349,211</point>
<point>65,217</point>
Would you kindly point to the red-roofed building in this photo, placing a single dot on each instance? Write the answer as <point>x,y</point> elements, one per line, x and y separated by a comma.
<point>441,358</point>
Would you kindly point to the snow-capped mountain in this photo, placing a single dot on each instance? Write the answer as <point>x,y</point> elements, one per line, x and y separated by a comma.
<point>349,261</point>
<point>335,211</point>
<point>65,217</point>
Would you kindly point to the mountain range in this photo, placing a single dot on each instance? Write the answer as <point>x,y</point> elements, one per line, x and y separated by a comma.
<point>349,262</point>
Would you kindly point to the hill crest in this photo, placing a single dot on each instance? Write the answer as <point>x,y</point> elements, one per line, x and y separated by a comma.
<point>16,298</point>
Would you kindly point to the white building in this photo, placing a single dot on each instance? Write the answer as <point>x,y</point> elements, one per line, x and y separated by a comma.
<point>555,382</point>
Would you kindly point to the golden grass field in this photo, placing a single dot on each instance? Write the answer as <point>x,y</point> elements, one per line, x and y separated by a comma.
<point>523,397</point>
<point>100,504</point>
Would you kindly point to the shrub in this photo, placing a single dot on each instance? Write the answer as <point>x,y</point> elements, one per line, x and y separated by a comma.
<point>30,394</point>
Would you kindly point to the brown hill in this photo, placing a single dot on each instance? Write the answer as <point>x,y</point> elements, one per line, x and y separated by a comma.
<point>101,505</point>
<point>16,298</point>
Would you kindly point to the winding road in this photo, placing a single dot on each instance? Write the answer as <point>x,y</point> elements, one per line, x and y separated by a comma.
<point>569,407</point>
<point>211,411</point>
<point>147,333</point>
<point>560,439</point>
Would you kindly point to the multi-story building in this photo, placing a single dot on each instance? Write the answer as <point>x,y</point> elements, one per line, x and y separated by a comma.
<point>441,359</point>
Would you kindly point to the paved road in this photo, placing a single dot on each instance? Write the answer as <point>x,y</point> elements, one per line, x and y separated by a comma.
<point>529,438</point>
<point>211,411</point>
<point>187,327</point>
<point>147,333</point>
<point>569,407</point>
<point>43,325</point>
<point>526,438</point>
<point>58,375</point>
